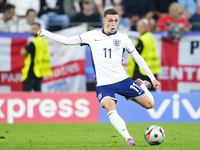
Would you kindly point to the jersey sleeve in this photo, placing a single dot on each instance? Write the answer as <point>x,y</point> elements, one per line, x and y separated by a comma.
<point>74,40</point>
<point>85,37</point>
<point>128,44</point>
<point>137,57</point>
<point>142,64</point>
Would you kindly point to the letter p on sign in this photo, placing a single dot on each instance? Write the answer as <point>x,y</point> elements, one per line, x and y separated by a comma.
<point>11,114</point>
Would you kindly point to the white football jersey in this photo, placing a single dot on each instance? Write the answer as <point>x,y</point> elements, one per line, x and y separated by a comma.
<point>107,52</point>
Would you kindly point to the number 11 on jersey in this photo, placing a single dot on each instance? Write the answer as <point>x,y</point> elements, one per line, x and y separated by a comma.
<point>107,51</point>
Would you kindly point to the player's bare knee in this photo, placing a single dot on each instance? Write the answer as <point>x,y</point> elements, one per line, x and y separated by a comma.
<point>150,105</point>
<point>108,104</point>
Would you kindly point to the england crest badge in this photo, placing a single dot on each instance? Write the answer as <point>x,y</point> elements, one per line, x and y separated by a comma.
<point>116,43</point>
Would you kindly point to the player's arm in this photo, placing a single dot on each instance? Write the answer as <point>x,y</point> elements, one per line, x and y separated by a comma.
<point>143,65</point>
<point>74,40</point>
<point>128,45</point>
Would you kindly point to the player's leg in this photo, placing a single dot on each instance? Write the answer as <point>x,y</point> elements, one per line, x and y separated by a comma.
<point>109,104</point>
<point>137,91</point>
<point>147,101</point>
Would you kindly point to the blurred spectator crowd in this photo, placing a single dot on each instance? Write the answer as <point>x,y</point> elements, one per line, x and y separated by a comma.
<point>163,15</point>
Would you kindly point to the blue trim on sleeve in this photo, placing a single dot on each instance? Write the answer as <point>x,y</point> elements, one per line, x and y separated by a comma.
<point>82,44</point>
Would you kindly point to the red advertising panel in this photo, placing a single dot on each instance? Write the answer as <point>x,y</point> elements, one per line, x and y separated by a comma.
<point>49,108</point>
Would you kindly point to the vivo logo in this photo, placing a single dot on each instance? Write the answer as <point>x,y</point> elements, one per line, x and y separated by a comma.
<point>176,103</point>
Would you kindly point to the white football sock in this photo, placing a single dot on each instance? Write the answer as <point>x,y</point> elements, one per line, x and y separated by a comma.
<point>147,92</point>
<point>119,124</point>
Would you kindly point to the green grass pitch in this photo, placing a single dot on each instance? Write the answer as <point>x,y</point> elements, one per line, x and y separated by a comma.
<point>99,136</point>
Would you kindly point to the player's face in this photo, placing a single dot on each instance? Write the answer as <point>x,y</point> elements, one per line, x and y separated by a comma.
<point>111,23</point>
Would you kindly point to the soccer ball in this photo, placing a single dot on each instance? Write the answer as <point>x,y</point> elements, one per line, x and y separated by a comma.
<point>154,135</point>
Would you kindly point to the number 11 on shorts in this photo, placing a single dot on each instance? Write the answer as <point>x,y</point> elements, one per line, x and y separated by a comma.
<point>134,87</point>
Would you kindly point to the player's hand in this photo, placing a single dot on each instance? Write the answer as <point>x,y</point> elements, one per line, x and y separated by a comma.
<point>41,32</point>
<point>156,84</point>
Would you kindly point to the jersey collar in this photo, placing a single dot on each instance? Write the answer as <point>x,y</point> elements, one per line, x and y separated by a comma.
<point>108,34</point>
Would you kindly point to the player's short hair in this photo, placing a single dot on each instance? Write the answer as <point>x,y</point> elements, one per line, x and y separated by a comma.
<point>110,11</point>
<point>29,10</point>
<point>7,7</point>
<point>36,23</point>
